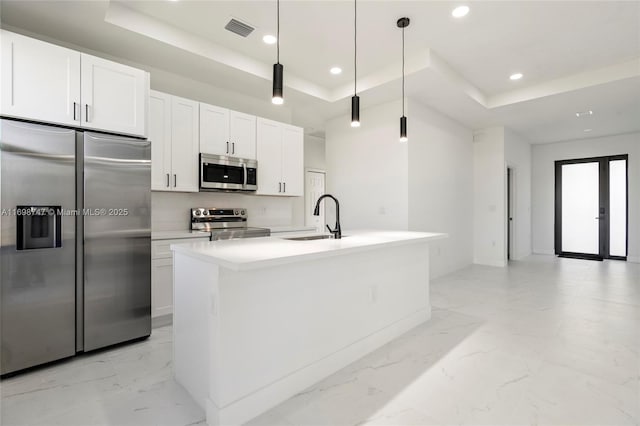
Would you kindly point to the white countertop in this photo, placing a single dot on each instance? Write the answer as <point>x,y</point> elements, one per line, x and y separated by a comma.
<point>254,253</point>
<point>177,235</point>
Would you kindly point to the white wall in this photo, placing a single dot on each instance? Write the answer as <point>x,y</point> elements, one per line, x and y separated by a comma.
<point>367,170</point>
<point>441,185</point>
<point>489,196</point>
<point>543,189</point>
<point>422,185</point>
<point>314,153</point>
<point>518,158</point>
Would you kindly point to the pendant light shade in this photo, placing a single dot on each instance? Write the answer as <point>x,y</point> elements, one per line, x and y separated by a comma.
<point>403,23</point>
<point>278,69</point>
<point>355,111</point>
<point>403,129</point>
<point>355,99</point>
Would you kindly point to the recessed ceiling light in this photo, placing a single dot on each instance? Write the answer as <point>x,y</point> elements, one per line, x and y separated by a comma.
<point>269,39</point>
<point>588,130</point>
<point>583,113</point>
<point>335,70</point>
<point>460,11</point>
<point>516,76</point>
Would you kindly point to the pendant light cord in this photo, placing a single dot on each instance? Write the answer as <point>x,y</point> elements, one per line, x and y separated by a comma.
<point>403,71</point>
<point>355,47</point>
<point>278,32</point>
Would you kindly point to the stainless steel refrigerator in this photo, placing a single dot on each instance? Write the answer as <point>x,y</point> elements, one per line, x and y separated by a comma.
<point>75,242</point>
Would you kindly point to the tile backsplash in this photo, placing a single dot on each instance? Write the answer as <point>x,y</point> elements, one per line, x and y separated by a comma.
<point>170,210</point>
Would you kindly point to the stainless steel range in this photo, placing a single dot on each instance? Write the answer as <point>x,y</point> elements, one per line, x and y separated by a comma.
<point>224,223</point>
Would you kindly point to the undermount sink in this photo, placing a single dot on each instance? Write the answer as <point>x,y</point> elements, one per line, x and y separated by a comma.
<point>309,238</point>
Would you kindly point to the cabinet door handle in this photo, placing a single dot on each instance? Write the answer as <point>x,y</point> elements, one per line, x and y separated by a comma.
<point>227,147</point>
<point>74,111</point>
<point>279,186</point>
<point>86,112</point>
<point>233,147</point>
<point>168,183</point>
<point>175,180</point>
<point>284,187</point>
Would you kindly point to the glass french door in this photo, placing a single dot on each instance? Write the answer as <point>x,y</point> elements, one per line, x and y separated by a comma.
<point>591,208</point>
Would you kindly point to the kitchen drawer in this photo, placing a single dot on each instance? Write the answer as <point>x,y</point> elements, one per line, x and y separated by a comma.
<point>161,249</point>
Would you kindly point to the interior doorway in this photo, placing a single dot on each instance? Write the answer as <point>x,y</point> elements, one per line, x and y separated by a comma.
<point>591,208</point>
<point>314,187</point>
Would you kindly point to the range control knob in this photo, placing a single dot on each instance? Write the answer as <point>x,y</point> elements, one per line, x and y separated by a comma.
<point>205,212</point>
<point>242,212</point>
<point>197,212</point>
<point>235,212</point>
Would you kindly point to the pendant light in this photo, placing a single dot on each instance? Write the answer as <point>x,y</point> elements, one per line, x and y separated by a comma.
<point>278,69</point>
<point>355,99</point>
<point>403,23</point>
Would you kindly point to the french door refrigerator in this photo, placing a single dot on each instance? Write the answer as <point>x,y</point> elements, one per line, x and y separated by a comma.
<point>75,242</point>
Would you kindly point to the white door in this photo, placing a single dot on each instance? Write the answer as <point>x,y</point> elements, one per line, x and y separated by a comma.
<point>292,161</point>
<point>242,135</point>
<point>160,137</point>
<point>314,188</point>
<point>269,153</point>
<point>214,130</point>
<point>40,81</point>
<point>580,208</point>
<point>114,96</point>
<point>184,145</point>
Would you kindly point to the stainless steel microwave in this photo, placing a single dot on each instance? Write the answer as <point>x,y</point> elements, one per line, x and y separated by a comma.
<point>222,173</point>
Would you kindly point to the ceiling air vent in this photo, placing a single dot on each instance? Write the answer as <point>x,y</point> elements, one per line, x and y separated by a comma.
<point>239,28</point>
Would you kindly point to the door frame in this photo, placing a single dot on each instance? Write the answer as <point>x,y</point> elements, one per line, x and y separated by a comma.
<point>603,203</point>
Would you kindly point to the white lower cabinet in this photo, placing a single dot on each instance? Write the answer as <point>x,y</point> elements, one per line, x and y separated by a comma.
<point>162,275</point>
<point>162,287</point>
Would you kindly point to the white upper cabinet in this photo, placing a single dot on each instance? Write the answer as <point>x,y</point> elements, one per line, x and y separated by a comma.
<point>226,132</point>
<point>242,135</point>
<point>40,81</point>
<point>44,82</point>
<point>214,130</point>
<point>269,149</point>
<point>114,96</point>
<point>293,160</point>
<point>184,145</point>
<point>160,137</point>
<point>280,152</point>
<point>173,131</point>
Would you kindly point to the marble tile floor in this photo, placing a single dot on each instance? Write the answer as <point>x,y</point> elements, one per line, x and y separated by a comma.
<point>545,341</point>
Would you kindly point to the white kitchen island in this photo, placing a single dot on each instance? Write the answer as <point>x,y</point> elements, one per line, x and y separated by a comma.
<point>258,320</point>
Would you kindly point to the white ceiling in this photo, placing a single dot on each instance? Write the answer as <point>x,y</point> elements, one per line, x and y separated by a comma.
<point>574,55</point>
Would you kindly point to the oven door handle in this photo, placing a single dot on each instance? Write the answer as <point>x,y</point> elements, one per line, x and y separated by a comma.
<point>244,170</point>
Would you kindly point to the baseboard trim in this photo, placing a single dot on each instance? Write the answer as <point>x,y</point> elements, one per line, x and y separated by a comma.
<point>496,263</point>
<point>544,251</point>
<point>162,321</point>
